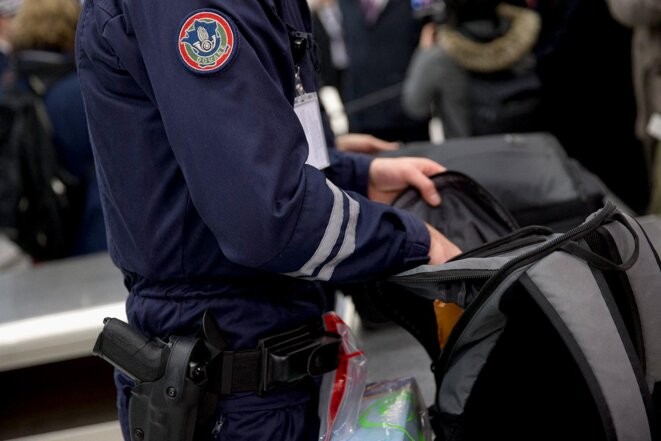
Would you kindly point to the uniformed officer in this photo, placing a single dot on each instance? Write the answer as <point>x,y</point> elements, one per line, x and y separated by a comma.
<point>200,114</point>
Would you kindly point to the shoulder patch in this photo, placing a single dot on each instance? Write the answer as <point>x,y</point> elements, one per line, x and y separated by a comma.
<point>207,41</point>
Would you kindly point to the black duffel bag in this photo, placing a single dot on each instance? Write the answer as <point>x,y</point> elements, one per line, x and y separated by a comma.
<point>530,174</point>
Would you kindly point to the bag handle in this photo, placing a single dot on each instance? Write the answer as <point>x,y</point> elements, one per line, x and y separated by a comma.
<point>600,262</point>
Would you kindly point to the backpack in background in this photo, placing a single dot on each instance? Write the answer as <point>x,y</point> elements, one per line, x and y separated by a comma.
<point>558,338</point>
<point>507,101</point>
<point>40,202</point>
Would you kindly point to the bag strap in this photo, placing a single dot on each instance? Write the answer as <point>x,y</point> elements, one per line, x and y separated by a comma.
<point>581,309</point>
<point>600,262</point>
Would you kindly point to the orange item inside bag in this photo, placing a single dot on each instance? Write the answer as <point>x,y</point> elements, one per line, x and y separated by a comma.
<point>447,315</point>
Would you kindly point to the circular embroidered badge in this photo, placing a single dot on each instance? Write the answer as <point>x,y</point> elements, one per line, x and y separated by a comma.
<point>206,42</point>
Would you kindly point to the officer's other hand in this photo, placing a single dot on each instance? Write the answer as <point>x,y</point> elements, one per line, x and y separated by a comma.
<point>440,248</point>
<point>363,143</point>
<point>388,177</point>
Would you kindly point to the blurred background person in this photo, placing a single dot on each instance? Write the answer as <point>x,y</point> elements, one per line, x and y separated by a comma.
<point>329,35</point>
<point>8,10</point>
<point>475,71</point>
<point>11,256</point>
<point>582,60</point>
<point>43,33</point>
<point>644,17</point>
<point>584,64</point>
<point>380,36</point>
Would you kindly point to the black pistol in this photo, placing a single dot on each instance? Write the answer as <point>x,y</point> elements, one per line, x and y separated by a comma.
<point>164,403</point>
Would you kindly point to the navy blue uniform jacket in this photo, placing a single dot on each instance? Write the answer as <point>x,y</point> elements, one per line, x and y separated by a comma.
<point>207,198</point>
<point>203,176</point>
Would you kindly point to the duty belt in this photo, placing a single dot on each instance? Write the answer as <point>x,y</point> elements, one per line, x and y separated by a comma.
<point>307,351</point>
<point>178,382</point>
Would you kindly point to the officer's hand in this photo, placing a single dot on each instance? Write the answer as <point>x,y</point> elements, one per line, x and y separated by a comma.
<point>440,248</point>
<point>363,143</point>
<point>388,177</point>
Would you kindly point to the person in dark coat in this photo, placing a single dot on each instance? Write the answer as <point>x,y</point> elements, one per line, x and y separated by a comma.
<point>380,43</point>
<point>8,10</point>
<point>328,33</point>
<point>584,63</point>
<point>43,42</point>
<point>485,37</point>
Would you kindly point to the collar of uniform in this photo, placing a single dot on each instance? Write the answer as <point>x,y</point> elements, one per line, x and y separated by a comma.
<point>501,52</point>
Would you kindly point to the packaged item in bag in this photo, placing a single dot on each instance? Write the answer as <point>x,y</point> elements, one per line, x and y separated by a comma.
<point>342,390</point>
<point>393,411</point>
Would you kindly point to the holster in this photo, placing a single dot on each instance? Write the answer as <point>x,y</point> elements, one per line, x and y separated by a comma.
<point>178,383</point>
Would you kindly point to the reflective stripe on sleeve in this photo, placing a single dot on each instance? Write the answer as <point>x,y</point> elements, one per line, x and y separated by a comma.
<point>348,244</point>
<point>332,235</point>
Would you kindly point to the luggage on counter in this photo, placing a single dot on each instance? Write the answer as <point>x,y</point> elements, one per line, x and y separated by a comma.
<point>530,174</point>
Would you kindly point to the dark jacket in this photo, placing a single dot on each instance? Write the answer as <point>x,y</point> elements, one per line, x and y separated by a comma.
<point>584,62</point>
<point>379,55</point>
<point>4,64</point>
<point>439,78</point>
<point>63,100</point>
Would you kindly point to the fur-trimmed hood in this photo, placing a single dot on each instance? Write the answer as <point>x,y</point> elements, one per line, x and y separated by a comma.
<point>500,53</point>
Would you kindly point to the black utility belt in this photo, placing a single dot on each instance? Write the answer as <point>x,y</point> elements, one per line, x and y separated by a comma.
<point>307,351</point>
<point>179,381</point>
<point>278,360</point>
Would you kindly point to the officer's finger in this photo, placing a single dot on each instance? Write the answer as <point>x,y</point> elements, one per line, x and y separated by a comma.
<point>426,187</point>
<point>429,167</point>
<point>440,248</point>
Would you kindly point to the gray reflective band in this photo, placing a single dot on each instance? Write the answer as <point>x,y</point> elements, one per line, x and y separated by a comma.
<point>331,237</point>
<point>348,244</point>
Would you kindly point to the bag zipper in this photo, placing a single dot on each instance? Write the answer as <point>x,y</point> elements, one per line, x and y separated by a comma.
<point>522,260</point>
<point>447,276</point>
<point>521,237</point>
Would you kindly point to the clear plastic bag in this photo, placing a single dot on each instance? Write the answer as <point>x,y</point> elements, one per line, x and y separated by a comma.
<point>393,410</point>
<point>342,389</point>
